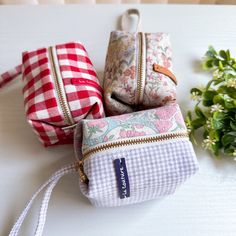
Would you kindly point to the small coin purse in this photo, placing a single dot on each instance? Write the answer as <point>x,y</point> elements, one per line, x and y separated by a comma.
<point>138,71</point>
<point>60,87</point>
<point>134,157</point>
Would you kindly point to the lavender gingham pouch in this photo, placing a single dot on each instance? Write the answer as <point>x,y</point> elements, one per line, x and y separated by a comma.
<point>123,160</point>
<point>134,157</point>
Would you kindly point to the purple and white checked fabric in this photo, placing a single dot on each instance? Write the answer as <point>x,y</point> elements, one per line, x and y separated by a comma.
<point>134,157</point>
<point>154,171</point>
<point>121,169</point>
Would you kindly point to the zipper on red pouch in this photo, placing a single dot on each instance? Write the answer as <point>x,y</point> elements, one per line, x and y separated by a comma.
<point>60,89</point>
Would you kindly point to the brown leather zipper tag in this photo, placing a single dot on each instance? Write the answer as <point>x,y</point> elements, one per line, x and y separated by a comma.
<point>165,71</point>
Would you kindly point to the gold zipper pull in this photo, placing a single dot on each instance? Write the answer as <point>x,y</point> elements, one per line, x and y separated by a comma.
<point>80,169</point>
<point>163,70</point>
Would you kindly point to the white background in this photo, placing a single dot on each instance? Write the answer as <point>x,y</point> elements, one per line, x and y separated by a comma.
<point>205,205</point>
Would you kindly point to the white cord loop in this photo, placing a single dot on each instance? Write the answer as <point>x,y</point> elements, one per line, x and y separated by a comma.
<point>127,15</point>
<point>49,185</point>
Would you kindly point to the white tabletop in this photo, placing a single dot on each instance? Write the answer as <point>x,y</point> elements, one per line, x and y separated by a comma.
<point>205,205</point>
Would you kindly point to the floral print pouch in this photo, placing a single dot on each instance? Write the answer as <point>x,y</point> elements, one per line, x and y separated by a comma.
<point>134,157</point>
<point>138,72</point>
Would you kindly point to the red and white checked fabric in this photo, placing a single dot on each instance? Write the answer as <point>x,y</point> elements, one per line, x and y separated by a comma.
<point>67,67</point>
<point>9,75</point>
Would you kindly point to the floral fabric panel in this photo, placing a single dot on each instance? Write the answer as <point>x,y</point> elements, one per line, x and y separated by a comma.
<point>138,124</point>
<point>120,72</point>
<point>159,89</point>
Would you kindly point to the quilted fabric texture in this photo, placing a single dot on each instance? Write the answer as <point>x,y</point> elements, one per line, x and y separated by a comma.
<point>60,88</point>
<point>130,82</point>
<point>158,158</point>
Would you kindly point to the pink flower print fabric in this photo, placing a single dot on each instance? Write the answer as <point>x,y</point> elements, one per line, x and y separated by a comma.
<point>163,125</point>
<point>164,113</point>
<point>166,119</point>
<point>131,133</point>
<point>159,89</point>
<point>122,73</point>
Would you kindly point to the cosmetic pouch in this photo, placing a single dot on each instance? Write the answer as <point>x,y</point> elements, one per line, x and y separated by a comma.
<point>125,159</point>
<point>60,87</point>
<point>138,72</point>
<point>134,157</point>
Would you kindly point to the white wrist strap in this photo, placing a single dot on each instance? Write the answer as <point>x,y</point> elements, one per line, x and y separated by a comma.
<point>49,185</point>
<point>126,15</point>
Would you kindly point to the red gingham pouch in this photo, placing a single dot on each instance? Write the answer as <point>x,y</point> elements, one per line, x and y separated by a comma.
<point>60,87</point>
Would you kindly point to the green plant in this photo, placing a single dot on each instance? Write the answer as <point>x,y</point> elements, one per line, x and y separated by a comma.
<point>215,108</point>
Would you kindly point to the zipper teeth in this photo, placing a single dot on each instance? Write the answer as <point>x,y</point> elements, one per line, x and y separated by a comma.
<point>61,98</point>
<point>140,68</point>
<point>134,142</point>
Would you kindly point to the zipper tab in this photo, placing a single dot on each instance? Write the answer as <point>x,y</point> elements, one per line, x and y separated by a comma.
<point>80,168</point>
<point>165,71</point>
<point>59,87</point>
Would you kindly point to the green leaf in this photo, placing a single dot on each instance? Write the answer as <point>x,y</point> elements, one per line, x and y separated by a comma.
<point>223,54</point>
<point>228,55</point>
<point>231,92</point>
<point>219,116</point>
<point>196,90</point>
<point>230,104</point>
<point>214,134</point>
<point>218,81</point>
<point>216,148</point>
<point>227,139</point>
<point>189,116</point>
<point>218,120</point>
<point>232,133</point>
<point>211,52</point>
<point>209,94</point>
<point>229,150</point>
<point>207,103</point>
<point>208,64</point>
<point>233,125</point>
<point>216,62</point>
<point>219,99</point>
<point>221,66</point>
<point>197,123</point>
<point>199,112</point>
<point>217,124</point>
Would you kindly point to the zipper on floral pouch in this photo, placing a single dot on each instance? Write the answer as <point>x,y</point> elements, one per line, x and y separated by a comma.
<point>141,68</point>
